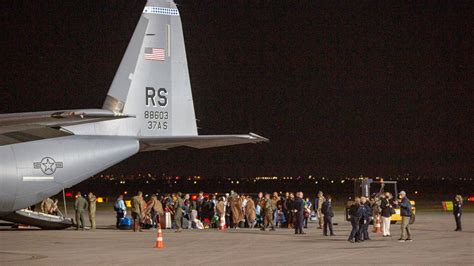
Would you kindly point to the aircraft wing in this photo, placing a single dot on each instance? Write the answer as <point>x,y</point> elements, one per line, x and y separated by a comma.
<point>21,127</point>
<point>198,142</point>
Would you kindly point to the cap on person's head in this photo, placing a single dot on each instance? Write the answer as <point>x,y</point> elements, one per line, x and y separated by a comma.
<point>402,193</point>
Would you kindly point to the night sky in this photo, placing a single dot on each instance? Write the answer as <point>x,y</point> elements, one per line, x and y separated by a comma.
<point>340,88</point>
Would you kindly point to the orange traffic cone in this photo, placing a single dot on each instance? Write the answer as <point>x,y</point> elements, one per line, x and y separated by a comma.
<point>377,227</point>
<point>159,238</point>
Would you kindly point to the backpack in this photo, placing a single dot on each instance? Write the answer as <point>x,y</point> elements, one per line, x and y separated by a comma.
<point>116,206</point>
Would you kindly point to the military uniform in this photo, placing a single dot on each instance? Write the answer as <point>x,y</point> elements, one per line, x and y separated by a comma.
<point>321,200</point>
<point>268,215</point>
<point>136,212</point>
<point>80,206</point>
<point>178,213</point>
<point>92,208</point>
<point>46,205</point>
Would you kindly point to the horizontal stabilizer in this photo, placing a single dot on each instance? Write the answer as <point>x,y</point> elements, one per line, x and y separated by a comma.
<point>24,121</point>
<point>198,142</point>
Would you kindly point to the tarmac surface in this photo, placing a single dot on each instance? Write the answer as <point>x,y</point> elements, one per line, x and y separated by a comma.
<point>435,242</point>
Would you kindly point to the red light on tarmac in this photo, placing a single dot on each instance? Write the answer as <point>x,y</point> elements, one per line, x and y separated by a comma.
<point>470,199</point>
<point>193,197</point>
<point>68,194</point>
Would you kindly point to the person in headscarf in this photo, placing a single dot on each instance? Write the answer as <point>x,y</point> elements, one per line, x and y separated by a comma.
<point>275,199</point>
<point>250,212</point>
<point>155,209</point>
<point>236,206</point>
<point>220,209</point>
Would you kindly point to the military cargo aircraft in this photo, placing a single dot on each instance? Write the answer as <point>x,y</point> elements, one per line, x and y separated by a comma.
<point>149,107</point>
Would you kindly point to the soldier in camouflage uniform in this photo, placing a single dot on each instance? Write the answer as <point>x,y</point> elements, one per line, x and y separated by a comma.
<point>268,213</point>
<point>178,211</point>
<point>137,211</point>
<point>92,208</point>
<point>80,206</point>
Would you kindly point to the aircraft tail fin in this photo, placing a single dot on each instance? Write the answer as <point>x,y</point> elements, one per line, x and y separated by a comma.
<point>153,89</point>
<point>152,82</point>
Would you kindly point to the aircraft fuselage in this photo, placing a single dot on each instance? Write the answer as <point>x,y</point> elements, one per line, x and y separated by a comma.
<point>33,171</point>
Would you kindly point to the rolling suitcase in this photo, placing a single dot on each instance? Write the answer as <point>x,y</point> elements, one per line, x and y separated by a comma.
<point>166,221</point>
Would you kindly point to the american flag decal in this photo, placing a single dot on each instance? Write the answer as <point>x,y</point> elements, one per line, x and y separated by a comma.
<point>156,54</point>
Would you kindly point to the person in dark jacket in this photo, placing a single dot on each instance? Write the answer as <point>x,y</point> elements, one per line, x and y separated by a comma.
<point>386,212</point>
<point>457,211</point>
<point>299,212</point>
<point>291,215</point>
<point>365,220</point>
<point>355,212</point>
<point>405,212</point>
<point>199,201</point>
<point>328,214</point>
<point>284,205</point>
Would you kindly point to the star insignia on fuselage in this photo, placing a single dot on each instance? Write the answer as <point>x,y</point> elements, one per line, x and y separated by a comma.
<point>48,165</point>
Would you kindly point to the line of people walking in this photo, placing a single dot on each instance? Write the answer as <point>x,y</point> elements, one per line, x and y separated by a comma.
<point>267,212</point>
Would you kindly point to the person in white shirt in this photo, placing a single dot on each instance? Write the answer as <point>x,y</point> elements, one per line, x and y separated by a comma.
<point>120,209</point>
